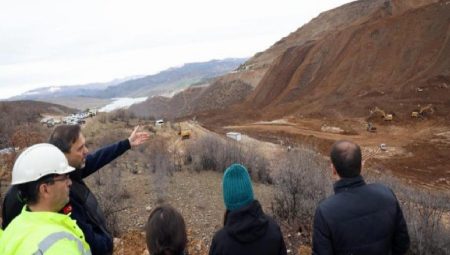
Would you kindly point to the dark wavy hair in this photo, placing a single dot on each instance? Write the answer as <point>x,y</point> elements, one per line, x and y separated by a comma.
<point>63,136</point>
<point>166,231</point>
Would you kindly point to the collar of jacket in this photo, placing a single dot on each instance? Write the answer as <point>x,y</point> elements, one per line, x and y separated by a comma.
<point>49,218</point>
<point>348,183</point>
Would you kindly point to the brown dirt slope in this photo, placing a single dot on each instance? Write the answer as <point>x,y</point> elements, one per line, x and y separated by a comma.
<point>354,13</point>
<point>382,62</point>
<point>218,95</point>
<point>178,105</point>
<point>378,52</point>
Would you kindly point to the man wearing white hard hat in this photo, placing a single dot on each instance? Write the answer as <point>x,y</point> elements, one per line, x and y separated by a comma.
<point>41,174</point>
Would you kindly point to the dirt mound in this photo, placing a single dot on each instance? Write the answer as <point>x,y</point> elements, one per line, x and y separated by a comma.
<point>395,62</point>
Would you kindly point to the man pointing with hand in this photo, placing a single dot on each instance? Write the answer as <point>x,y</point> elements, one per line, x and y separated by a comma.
<point>84,205</point>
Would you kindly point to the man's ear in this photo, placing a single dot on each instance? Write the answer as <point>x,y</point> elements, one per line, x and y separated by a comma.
<point>43,189</point>
<point>334,172</point>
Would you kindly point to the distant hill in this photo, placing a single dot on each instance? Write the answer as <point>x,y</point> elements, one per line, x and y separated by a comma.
<point>165,82</point>
<point>79,103</point>
<point>172,79</point>
<point>14,114</point>
<point>52,93</point>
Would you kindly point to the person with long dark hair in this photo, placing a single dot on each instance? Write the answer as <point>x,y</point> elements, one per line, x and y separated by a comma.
<point>166,232</point>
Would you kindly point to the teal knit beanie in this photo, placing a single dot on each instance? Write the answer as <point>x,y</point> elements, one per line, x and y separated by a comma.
<point>237,187</point>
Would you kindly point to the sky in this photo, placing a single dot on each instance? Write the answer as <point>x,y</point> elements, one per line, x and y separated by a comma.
<point>53,42</point>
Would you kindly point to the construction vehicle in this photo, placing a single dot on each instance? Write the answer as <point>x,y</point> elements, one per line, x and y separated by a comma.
<point>420,113</point>
<point>184,133</point>
<point>386,116</point>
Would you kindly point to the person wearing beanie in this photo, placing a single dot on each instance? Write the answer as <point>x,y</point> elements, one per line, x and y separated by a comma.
<point>247,229</point>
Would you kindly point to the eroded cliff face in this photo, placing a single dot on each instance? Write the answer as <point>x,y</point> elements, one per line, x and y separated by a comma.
<point>350,14</point>
<point>383,60</point>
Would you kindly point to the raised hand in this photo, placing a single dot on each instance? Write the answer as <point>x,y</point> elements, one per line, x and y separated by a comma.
<point>137,138</point>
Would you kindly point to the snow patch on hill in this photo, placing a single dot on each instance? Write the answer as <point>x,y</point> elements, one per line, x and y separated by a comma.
<point>122,102</point>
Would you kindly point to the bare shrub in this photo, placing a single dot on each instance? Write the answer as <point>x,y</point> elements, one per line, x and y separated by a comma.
<point>151,129</point>
<point>13,116</point>
<point>258,166</point>
<point>112,196</point>
<point>28,134</point>
<point>102,118</point>
<point>160,166</point>
<point>213,153</point>
<point>427,214</point>
<point>121,115</point>
<point>202,153</point>
<point>425,217</point>
<point>300,184</point>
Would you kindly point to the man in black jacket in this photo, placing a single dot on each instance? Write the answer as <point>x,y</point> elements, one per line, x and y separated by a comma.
<point>359,218</point>
<point>247,230</point>
<point>83,204</point>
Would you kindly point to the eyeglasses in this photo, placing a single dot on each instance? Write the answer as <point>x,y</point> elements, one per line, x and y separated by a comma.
<point>62,177</point>
<point>51,179</point>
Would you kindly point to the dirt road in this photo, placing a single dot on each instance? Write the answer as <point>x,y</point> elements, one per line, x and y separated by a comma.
<point>418,152</point>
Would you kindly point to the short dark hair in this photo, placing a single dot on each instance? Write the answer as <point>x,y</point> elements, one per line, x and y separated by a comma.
<point>346,158</point>
<point>63,136</point>
<point>166,231</point>
<point>29,192</point>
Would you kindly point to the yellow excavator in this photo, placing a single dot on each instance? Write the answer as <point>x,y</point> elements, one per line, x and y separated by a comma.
<point>386,116</point>
<point>420,113</point>
<point>184,133</point>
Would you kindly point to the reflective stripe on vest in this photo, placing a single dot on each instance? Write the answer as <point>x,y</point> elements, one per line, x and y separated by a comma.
<point>50,240</point>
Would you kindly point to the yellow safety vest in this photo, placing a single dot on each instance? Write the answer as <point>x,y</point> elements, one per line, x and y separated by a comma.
<point>46,233</point>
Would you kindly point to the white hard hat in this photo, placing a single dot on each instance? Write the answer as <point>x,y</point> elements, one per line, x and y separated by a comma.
<point>37,161</point>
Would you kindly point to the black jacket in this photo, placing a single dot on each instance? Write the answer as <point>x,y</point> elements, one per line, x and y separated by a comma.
<point>248,231</point>
<point>85,208</point>
<point>360,219</point>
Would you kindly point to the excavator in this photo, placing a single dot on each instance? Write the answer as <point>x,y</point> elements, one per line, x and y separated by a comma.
<point>386,116</point>
<point>420,113</point>
<point>184,133</point>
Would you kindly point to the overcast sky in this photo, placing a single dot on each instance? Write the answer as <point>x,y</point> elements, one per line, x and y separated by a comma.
<point>61,42</point>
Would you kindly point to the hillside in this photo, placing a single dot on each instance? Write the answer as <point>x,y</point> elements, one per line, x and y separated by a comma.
<point>315,88</point>
<point>196,99</point>
<point>166,82</point>
<point>395,62</point>
<point>63,92</point>
<point>172,79</point>
<point>390,54</point>
<point>16,114</point>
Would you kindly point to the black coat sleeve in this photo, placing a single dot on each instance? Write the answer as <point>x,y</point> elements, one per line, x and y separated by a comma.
<point>401,240</point>
<point>321,235</point>
<point>103,156</point>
